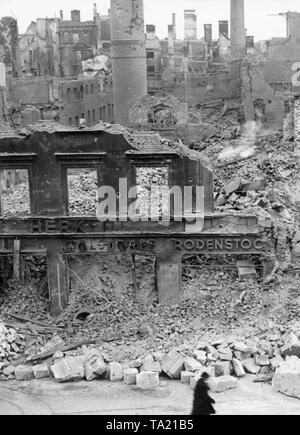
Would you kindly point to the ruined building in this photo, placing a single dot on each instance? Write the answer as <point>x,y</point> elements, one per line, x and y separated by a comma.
<point>49,229</point>
<point>57,47</point>
<point>154,60</point>
<point>78,40</point>
<point>39,48</point>
<point>9,46</point>
<point>85,99</point>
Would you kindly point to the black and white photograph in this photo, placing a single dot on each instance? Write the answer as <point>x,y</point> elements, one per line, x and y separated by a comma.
<point>149,210</point>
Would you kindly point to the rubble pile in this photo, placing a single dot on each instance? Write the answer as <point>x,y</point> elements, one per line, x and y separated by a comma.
<point>214,298</point>
<point>24,300</point>
<point>15,201</point>
<point>269,356</point>
<point>259,180</point>
<point>205,304</point>
<point>12,345</point>
<point>82,189</point>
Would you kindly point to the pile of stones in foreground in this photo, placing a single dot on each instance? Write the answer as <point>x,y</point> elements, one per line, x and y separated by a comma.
<point>12,346</point>
<point>276,357</point>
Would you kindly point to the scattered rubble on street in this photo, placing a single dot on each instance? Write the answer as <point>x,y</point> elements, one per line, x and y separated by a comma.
<point>264,357</point>
<point>287,377</point>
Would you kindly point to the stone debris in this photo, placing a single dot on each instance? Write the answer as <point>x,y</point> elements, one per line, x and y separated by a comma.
<point>262,360</point>
<point>41,371</point>
<point>173,365</point>
<point>276,362</point>
<point>223,368</point>
<point>115,371</point>
<point>287,377</point>
<point>250,366</point>
<point>9,372</point>
<point>225,354</point>
<point>291,346</point>
<point>186,377</point>
<point>68,369</point>
<point>192,365</point>
<point>223,383</point>
<point>130,376</point>
<point>24,373</point>
<point>94,366</point>
<point>58,355</point>
<point>246,270</point>
<point>147,380</point>
<point>136,364</point>
<point>238,368</point>
<point>242,347</point>
<point>200,356</point>
<point>12,344</point>
<point>149,365</point>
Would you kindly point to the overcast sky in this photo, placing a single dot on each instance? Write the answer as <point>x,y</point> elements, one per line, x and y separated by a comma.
<point>159,12</point>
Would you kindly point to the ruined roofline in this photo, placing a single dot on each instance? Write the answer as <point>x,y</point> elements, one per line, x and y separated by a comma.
<point>137,139</point>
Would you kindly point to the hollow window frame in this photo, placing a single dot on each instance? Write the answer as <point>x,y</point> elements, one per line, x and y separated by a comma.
<point>21,166</point>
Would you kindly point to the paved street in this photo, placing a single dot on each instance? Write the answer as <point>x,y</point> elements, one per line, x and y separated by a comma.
<point>104,398</point>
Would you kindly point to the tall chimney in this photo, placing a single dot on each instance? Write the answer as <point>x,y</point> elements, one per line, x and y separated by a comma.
<point>129,66</point>
<point>237,32</point>
<point>174,25</point>
<point>223,28</point>
<point>61,15</point>
<point>97,21</point>
<point>95,12</point>
<point>171,40</point>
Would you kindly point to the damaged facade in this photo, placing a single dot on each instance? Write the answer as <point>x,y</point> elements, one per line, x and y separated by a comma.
<point>50,228</point>
<point>101,107</point>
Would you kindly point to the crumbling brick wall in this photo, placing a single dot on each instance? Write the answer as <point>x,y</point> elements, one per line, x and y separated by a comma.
<point>254,87</point>
<point>37,90</point>
<point>159,112</point>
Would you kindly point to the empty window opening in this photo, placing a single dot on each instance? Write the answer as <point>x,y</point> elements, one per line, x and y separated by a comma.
<point>75,37</point>
<point>162,118</point>
<point>82,191</point>
<point>14,193</point>
<point>152,188</point>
